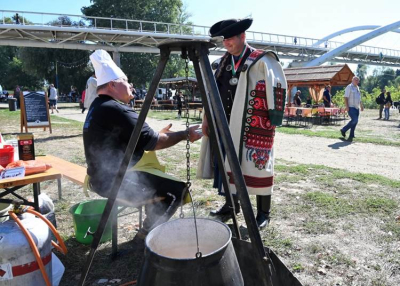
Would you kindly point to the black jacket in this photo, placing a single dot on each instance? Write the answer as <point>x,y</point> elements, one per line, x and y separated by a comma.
<point>381,99</point>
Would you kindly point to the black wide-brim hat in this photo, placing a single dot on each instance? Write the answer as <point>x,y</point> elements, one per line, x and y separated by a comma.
<point>230,28</point>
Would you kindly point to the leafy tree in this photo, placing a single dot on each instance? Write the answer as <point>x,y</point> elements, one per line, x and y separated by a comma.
<point>6,56</point>
<point>140,67</point>
<point>361,72</point>
<point>386,77</point>
<point>70,65</point>
<point>18,76</point>
<point>12,72</point>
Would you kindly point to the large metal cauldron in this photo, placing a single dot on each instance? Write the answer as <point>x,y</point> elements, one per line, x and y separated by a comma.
<point>170,255</point>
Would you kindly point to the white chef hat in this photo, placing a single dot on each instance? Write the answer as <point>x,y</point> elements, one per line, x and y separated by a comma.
<point>105,68</point>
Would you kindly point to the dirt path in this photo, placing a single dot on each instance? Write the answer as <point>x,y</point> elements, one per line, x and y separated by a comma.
<point>355,157</point>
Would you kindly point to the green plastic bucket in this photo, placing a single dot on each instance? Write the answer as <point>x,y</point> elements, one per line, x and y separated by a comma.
<point>88,214</point>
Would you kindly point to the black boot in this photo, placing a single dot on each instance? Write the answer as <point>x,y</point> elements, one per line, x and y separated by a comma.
<point>263,211</point>
<point>226,208</point>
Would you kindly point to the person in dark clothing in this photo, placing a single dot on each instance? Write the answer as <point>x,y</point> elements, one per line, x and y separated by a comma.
<point>179,98</point>
<point>327,96</point>
<point>297,99</point>
<point>16,17</point>
<point>106,133</point>
<point>309,101</point>
<point>381,102</point>
<point>17,96</point>
<point>388,104</point>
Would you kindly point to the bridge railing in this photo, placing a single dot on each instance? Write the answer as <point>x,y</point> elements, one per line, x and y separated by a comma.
<point>309,43</point>
<point>118,24</point>
<point>81,21</point>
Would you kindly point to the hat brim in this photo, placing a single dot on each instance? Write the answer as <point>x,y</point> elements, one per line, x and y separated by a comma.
<point>231,30</point>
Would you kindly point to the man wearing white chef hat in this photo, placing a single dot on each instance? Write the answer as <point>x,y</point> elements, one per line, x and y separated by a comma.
<point>106,133</point>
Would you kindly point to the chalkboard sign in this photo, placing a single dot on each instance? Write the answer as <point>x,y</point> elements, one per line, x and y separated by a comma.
<point>34,110</point>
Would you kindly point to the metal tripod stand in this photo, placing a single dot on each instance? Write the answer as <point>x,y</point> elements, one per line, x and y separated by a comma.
<point>197,52</point>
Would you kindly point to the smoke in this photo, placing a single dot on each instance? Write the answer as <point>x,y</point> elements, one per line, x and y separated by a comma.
<point>137,188</point>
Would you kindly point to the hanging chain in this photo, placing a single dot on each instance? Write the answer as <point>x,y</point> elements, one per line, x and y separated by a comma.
<point>188,183</point>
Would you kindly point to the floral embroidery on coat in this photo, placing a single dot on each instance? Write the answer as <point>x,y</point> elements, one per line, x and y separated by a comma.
<point>258,132</point>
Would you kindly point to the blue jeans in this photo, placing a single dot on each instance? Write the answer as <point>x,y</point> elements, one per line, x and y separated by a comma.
<point>354,114</point>
<point>387,113</point>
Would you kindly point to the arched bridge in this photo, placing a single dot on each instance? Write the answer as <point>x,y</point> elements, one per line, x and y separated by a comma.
<point>49,30</point>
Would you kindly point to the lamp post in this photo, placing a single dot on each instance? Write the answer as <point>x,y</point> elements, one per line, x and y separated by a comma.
<point>56,76</point>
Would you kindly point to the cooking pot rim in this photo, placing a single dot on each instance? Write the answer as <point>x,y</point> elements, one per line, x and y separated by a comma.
<point>148,248</point>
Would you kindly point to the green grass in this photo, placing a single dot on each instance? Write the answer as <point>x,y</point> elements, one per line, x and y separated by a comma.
<point>60,122</point>
<point>173,115</point>
<point>330,175</point>
<point>332,206</point>
<point>297,267</point>
<point>334,134</point>
<point>314,248</point>
<point>319,227</point>
<point>340,259</point>
<point>276,241</point>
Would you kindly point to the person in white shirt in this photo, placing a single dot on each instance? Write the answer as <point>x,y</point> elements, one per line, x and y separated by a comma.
<point>352,98</point>
<point>53,98</point>
<point>91,91</point>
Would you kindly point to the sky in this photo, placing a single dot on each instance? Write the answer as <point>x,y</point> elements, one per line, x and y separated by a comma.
<point>306,18</point>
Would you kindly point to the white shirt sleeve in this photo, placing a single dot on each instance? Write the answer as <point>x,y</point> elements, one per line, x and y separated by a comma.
<point>347,91</point>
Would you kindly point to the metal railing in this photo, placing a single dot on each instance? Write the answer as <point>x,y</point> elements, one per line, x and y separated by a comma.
<point>118,24</point>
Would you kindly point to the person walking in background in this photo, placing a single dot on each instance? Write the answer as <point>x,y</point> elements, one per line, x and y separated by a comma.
<point>91,91</point>
<point>17,95</point>
<point>388,104</point>
<point>178,99</point>
<point>327,96</point>
<point>74,94</point>
<point>16,17</point>
<point>53,99</point>
<point>381,101</point>
<point>352,99</point>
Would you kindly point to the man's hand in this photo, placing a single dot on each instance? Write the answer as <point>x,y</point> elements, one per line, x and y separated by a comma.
<point>166,129</point>
<point>168,138</point>
<point>347,108</point>
<point>194,133</point>
<point>204,127</point>
<point>362,108</point>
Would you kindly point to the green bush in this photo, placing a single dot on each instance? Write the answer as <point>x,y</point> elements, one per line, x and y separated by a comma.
<point>368,99</point>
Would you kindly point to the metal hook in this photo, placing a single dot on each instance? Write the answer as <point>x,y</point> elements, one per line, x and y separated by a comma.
<point>88,232</point>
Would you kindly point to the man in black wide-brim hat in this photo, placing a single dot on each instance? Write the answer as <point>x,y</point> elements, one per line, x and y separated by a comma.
<point>230,75</point>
